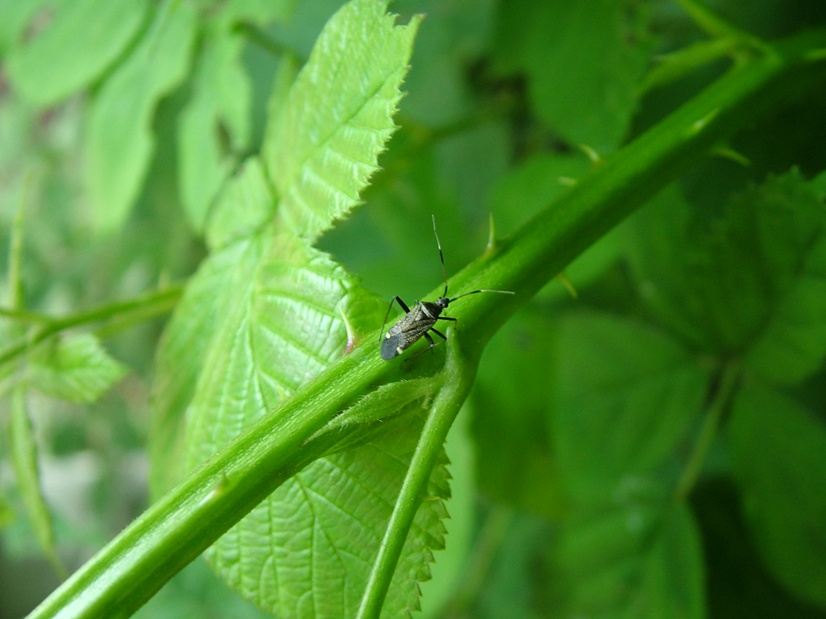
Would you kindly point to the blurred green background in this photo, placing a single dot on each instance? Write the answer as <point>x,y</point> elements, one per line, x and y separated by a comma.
<point>501,100</point>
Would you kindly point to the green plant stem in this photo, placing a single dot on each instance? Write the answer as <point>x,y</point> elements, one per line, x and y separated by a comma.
<point>25,317</point>
<point>149,304</point>
<point>190,517</point>
<point>711,422</point>
<point>457,380</point>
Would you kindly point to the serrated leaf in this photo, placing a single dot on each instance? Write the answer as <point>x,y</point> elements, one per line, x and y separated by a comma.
<point>792,345</point>
<point>23,449</point>
<point>324,144</point>
<point>119,141</point>
<point>749,282</point>
<point>779,455</point>
<point>616,420</point>
<point>308,550</point>
<point>271,308</point>
<point>74,368</point>
<point>82,38</point>
<point>266,313</point>
<point>284,299</point>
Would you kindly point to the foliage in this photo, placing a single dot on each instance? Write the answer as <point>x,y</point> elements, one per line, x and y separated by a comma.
<point>652,445</point>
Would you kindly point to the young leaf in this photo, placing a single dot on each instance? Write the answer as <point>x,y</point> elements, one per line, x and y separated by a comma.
<point>119,141</point>
<point>337,117</point>
<point>215,124</point>
<point>73,368</point>
<point>80,41</point>
<point>219,105</point>
<point>779,456</point>
<point>266,313</point>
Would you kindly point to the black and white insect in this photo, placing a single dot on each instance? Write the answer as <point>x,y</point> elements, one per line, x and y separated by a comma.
<point>418,322</point>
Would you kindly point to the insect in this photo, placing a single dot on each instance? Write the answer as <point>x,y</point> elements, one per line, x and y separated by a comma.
<point>418,322</point>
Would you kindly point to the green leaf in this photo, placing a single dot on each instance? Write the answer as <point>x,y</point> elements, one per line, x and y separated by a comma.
<point>748,282</point>
<point>24,458</point>
<point>281,319</point>
<point>14,17</point>
<point>779,455</point>
<point>511,397</point>
<point>82,39</point>
<point>266,312</point>
<point>641,558</point>
<point>792,345</point>
<point>583,73</point>
<point>119,140</point>
<point>383,400</point>
<point>673,577</point>
<point>215,124</point>
<point>246,205</point>
<point>203,309</point>
<point>75,368</point>
<point>626,397</point>
<point>325,142</point>
<point>619,419</point>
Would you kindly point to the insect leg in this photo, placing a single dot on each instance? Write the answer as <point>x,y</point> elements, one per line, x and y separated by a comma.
<point>401,303</point>
<point>437,332</point>
<point>429,341</point>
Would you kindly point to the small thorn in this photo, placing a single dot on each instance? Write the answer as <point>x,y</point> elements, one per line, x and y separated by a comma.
<point>729,153</point>
<point>491,234</point>
<point>591,153</point>
<point>563,279</point>
<point>352,338</point>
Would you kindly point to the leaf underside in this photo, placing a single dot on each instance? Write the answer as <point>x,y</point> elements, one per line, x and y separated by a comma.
<point>267,312</point>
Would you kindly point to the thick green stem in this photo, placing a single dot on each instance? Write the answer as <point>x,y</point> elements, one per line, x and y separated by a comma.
<point>195,513</point>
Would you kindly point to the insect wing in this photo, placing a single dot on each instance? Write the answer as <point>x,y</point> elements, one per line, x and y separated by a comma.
<point>391,346</point>
<point>409,329</point>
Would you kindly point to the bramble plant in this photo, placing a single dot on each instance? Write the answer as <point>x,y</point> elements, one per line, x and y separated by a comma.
<point>644,436</point>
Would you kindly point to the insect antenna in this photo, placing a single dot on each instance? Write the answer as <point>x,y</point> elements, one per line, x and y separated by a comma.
<point>441,255</point>
<point>444,270</point>
<point>482,290</point>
